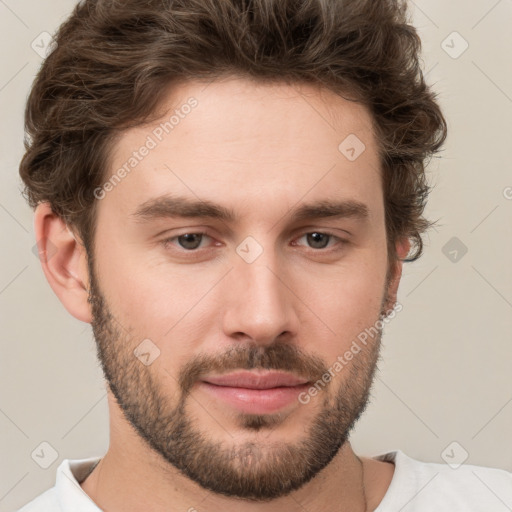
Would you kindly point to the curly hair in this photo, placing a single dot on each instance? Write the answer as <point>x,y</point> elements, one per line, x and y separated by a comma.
<point>114,60</point>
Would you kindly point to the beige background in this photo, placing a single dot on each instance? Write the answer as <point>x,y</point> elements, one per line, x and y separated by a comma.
<point>445,374</point>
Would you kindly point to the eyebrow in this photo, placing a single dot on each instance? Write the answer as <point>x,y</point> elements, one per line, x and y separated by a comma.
<point>168,206</point>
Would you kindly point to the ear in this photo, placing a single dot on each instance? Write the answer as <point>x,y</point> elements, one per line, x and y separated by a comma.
<point>403,247</point>
<point>64,261</point>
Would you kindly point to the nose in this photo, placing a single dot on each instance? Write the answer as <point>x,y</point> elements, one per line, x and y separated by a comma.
<point>260,303</point>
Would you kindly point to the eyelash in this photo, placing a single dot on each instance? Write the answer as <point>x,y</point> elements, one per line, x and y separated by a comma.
<point>168,241</point>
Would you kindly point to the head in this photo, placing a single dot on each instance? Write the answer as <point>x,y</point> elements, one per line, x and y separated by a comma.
<point>232,186</point>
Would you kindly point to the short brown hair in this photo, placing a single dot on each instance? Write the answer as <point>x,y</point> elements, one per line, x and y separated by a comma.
<point>114,60</point>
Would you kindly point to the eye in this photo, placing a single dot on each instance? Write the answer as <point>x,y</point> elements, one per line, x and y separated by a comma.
<point>319,239</point>
<point>188,241</point>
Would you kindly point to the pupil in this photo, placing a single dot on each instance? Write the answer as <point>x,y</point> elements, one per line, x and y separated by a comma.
<point>314,236</point>
<point>189,240</point>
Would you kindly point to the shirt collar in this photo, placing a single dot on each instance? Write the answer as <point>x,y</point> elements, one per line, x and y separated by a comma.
<point>70,495</point>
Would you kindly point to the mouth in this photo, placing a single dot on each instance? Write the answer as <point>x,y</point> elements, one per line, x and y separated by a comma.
<point>255,392</point>
<point>256,380</point>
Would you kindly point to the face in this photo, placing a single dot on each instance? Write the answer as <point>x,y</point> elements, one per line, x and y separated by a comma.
<point>277,269</point>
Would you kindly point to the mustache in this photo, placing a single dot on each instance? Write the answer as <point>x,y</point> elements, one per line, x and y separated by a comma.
<point>278,356</point>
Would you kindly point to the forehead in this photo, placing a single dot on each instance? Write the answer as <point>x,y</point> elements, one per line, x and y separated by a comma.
<point>249,144</point>
<point>245,110</point>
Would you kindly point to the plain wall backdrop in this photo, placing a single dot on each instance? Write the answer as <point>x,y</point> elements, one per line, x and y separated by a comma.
<point>444,385</point>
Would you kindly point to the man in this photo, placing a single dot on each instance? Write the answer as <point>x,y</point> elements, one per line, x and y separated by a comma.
<point>228,191</point>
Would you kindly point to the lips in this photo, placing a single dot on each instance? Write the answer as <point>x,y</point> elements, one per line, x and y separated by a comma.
<point>255,392</point>
<point>256,380</point>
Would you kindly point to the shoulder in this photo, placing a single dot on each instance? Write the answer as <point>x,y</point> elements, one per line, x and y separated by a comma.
<point>426,486</point>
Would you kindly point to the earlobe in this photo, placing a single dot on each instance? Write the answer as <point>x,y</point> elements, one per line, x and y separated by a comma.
<point>64,262</point>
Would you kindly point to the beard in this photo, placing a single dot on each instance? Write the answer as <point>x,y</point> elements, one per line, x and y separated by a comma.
<point>257,470</point>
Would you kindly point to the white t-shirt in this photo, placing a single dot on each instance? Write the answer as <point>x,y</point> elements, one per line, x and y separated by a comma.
<point>416,487</point>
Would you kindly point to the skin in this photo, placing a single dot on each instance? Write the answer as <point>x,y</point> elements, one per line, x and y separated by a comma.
<point>261,150</point>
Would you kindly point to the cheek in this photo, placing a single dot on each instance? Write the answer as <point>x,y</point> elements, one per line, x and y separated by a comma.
<point>154,300</point>
<point>131,293</point>
<point>344,305</point>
